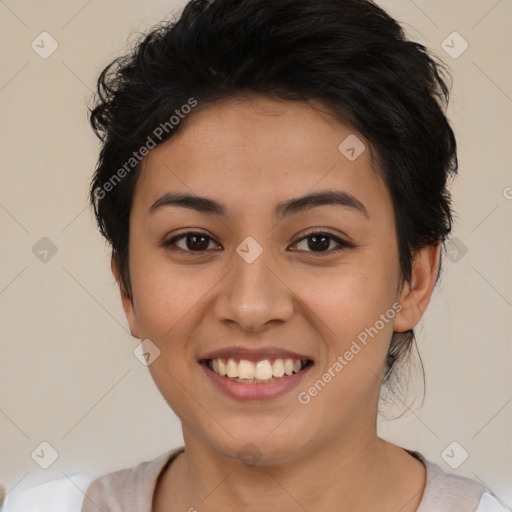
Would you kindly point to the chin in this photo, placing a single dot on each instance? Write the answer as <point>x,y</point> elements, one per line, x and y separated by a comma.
<point>259,445</point>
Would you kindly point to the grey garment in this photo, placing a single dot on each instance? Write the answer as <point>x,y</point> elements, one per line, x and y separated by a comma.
<point>445,492</point>
<point>127,490</point>
<point>131,490</point>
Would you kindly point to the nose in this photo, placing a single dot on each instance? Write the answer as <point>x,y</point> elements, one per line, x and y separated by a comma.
<point>254,295</point>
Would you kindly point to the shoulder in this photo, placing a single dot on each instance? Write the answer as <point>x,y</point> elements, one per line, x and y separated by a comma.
<point>127,489</point>
<point>445,492</point>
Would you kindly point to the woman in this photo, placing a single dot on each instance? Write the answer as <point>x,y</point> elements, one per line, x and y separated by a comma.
<point>272,181</point>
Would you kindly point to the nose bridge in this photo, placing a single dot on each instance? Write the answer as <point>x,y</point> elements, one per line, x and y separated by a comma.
<point>253,295</point>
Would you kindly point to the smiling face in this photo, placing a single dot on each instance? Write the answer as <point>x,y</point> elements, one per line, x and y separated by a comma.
<point>312,295</point>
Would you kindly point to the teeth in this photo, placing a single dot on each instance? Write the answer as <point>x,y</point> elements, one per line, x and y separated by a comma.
<point>246,370</point>
<point>288,366</point>
<point>222,367</point>
<point>278,368</point>
<point>264,370</point>
<point>232,368</point>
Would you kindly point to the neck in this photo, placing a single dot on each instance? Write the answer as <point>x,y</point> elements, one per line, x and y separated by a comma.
<point>370,475</point>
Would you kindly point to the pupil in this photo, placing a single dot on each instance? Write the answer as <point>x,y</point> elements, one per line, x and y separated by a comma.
<point>321,246</point>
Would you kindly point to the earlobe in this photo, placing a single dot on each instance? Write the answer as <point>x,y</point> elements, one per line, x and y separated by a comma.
<point>126,299</point>
<point>416,294</point>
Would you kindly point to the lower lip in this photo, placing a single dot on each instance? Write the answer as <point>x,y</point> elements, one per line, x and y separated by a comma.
<point>255,391</point>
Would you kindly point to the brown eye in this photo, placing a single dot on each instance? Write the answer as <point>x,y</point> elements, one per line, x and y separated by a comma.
<point>320,242</point>
<point>190,242</point>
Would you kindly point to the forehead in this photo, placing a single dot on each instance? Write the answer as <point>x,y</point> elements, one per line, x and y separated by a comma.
<point>251,150</point>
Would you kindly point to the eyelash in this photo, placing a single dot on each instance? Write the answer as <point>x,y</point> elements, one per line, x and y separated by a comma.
<point>342,244</point>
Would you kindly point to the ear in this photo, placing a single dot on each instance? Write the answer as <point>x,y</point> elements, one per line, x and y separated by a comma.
<point>126,300</point>
<point>415,295</point>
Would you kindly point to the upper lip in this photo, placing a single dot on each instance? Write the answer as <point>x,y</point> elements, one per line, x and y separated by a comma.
<point>253,354</point>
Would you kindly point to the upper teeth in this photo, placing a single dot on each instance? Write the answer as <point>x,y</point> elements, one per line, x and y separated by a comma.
<point>262,370</point>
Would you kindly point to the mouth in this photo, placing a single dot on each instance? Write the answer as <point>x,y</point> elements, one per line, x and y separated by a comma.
<point>255,373</point>
<point>257,380</point>
<point>263,371</point>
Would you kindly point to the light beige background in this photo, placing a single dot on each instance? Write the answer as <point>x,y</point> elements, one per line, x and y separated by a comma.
<point>67,372</point>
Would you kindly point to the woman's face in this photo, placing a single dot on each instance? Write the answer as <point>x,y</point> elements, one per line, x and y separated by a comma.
<point>253,279</point>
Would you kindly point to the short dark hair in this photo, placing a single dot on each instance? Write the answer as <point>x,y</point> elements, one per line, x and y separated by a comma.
<point>349,54</point>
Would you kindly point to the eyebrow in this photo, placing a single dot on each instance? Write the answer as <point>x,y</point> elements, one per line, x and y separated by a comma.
<point>282,209</point>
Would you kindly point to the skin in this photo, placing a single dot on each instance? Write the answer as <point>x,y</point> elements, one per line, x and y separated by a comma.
<point>250,153</point>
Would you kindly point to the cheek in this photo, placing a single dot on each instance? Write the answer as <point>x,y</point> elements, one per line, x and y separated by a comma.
<point>354,310</point>
<point>352,297</point>
<point>356,325</point>
<point>168,305</point>
<point>165,294</point>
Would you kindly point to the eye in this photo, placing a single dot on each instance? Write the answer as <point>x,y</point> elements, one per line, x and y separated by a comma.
<point>320,241</point>
<point>317,242</point>
<point>191,241</point>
